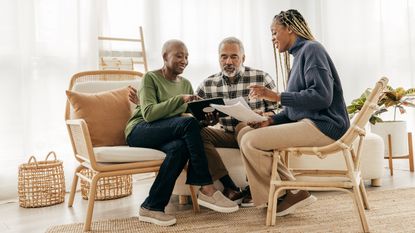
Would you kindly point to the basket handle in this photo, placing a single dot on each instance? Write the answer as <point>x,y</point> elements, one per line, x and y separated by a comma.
<point>51,153</point>
<point>32,158</point>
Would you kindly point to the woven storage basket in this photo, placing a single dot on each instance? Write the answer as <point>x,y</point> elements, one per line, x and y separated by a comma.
<point>41,183</point>
<point>108,188</point>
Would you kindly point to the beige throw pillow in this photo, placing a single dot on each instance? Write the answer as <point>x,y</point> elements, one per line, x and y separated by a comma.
<point>106,114</point>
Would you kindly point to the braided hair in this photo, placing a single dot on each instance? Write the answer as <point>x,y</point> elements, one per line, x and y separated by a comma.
<point>296,22</point>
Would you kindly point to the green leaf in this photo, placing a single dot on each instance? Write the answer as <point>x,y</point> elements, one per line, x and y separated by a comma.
<point>375,119</point>
<point>396,98</point>
<point>410,91</point>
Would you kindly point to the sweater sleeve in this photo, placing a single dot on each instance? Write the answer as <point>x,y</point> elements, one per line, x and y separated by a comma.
<point>280,118</point>
<point>318,91</point>
<point>151,108</point>
<point>270,84</point>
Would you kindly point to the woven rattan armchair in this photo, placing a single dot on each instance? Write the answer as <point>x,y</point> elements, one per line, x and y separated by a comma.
<point>85,152</point>
<point>351,175</point>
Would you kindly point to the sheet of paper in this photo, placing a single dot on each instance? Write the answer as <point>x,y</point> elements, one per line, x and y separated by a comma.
<point>236,100</point>
<point>239,112</point>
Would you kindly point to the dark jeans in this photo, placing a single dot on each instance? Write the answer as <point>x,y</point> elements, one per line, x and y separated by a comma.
<point>179,138</point>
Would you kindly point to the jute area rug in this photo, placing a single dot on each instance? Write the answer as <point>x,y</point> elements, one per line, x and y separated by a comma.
<point>391,211</point>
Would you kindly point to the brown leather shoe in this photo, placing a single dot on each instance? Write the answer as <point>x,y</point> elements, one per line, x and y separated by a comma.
<point>293,201</point>
<point>233,195</point>
<point>247,201</point>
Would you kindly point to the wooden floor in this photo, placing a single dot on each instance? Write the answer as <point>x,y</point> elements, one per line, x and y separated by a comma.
<point>14,219</point>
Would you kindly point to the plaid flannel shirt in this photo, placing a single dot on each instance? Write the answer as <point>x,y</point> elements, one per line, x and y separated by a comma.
<point>218,85</point>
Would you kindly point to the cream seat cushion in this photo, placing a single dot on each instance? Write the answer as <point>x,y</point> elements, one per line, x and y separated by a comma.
<point>123,154</point>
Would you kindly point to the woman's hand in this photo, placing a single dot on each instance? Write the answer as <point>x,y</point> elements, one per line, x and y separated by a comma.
<point>189,98</point>
<point>261,92</point>
<point>132,95</point>
<point>261,124</point>
<point>259,112</point>
<point>262,113</point>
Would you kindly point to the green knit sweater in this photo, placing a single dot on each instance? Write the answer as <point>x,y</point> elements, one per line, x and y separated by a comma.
<point>159,99</point>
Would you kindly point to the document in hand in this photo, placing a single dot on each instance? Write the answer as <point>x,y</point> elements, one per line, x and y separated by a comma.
<point>239,112</point>
<point>236,100</point>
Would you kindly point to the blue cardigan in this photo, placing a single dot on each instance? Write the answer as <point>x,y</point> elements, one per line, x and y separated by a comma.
<point>314,91</point>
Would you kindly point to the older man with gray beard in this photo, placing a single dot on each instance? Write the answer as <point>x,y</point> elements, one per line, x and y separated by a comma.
<point>232,82</point>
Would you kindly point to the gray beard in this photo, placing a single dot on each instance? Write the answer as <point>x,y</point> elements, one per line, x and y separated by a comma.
<point>234,73</point>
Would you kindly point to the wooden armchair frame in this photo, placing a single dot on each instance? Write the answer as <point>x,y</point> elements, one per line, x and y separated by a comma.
<point>83,149</point>
<point>351,174</point>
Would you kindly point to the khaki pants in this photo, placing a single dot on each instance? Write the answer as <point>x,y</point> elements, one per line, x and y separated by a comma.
<point>213,138</point>
<point>258,145</point>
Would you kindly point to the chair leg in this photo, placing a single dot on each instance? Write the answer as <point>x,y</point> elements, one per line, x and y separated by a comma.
<point>91,202</point>
<point>411,153</point>
<point>73,187</point>
<point>272,202</point>
<point>270,205</point>
<point>364,195</point>
<point>196,207</point>
<point>390,154</point>
<point>376,182</point>
<point>275,206</point>
<point>183,199</point>
<point>357,198</point>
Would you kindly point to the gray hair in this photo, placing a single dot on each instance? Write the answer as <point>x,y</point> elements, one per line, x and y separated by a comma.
<point>232,40</point>
<point>168,44</point>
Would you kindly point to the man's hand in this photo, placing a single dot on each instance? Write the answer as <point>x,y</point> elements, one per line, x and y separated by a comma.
<point>132,95</point>
<point>261,92</point>
<point>210,119</point>
<point>261,124</point>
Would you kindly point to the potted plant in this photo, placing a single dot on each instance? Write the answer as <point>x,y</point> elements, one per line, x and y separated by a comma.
<point>396,99</point>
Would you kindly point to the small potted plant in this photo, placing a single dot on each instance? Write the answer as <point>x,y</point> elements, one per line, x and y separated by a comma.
<point>397,99</point>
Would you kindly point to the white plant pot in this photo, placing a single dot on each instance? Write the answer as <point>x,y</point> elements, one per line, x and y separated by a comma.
<point>399,135</point>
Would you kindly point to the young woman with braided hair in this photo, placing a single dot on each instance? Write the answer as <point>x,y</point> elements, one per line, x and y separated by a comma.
<point>314,112</point>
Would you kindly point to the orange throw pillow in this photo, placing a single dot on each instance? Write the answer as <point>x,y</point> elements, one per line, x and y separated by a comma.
<point>106,114</point>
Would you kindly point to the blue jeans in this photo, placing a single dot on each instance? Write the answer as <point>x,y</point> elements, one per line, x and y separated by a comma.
<point>179,138</point>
